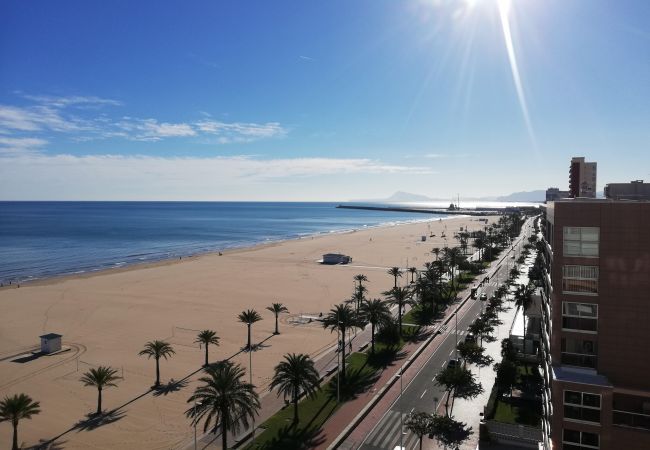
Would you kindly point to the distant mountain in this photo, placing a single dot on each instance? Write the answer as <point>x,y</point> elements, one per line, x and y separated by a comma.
<point>399,197</point>
<point>525,196</point>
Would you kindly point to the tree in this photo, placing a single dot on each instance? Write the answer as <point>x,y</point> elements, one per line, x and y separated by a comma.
<point>225,399</point>
<point>458,382</point>
<point>207,337</point>
<point>377,313</point>
<point>340,318</point>
<point>400,297</point>
<point>413,271</point>
<point>419,423</point>
<point>101,377</point>
<point>524,299</point>
<point>277,309</point>
<point>450,432</point>
<point>395,272</point>
<point>472,353</point>
<point>157,350</point>
<point>294,375</point>
<point>436,252</point>
<point>452,257</point>
<point>506,375</point>
<point>508,350</point>
<point>482,328</point>
<point>360,278</point>
<point>480,244</point>
<point>249,318</point>
<point>13,409</point>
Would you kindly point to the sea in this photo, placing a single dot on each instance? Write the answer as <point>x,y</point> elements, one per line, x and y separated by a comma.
<point>47,239</point>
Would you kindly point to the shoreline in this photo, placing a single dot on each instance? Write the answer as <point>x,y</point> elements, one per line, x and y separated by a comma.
<point>165,261</point>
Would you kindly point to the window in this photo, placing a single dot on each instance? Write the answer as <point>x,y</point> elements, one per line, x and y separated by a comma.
<point>578,352</point>
<point>581,241</point>
<point>582,406</point>
<point>580,279</point>
<point>579,440</point>
<point>580,316</point>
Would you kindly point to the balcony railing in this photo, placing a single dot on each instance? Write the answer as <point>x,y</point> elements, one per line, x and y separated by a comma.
<point>581,360</point>
<point>631,419</point>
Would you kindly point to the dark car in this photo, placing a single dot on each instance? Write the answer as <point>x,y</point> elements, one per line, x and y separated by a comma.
<point>483,297</point>
<point>470,338</point>
<point>453,364</point>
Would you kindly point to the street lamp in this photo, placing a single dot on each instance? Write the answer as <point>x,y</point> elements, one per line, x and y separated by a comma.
<point>401,413</point>
<point>250,365</point>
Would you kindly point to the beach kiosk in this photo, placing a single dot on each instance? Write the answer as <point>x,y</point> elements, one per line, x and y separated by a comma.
<point>335,258</point>
<point>51,343</point>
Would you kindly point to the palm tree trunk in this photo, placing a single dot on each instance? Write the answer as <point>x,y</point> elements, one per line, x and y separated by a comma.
<point>395,281</point>
<point>372,337</point>
<point>276,325</point>
<point>224,437</point>
<point>447,403</point>
<point>399,318</point>
<point>206,355</point>
<point>343,355</point>
<point>99,400</point>
<point>15,441</point>
<point>420,442</point>
<point>295,405</point>
<point>157,372</point>
<point>248,346</point>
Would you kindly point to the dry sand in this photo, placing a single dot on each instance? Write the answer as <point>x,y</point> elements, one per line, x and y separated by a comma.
<point>106,318</point>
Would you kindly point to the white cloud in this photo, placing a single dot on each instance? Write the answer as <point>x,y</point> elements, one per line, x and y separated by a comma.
<point>150,130</point>
<point>52,114</point>
<point>240,131</point>
<point>74,100</point>
<point>17,146</point>
<point>226,178</point>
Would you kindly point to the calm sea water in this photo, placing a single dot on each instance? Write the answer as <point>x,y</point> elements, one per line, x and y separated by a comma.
<point>44,239</point>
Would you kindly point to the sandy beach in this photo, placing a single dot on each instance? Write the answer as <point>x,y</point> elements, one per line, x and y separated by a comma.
<point>105,319</point>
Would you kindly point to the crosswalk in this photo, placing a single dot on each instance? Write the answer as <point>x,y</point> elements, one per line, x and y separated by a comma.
<point>387,436</point>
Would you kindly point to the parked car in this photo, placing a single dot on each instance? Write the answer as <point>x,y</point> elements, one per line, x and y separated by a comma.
<point>483,297</point>
<point>470,338</point>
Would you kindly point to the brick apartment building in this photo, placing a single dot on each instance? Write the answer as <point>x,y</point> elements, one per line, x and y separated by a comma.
<point>596,324</point>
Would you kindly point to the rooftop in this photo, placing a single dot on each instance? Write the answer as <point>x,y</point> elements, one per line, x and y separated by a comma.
<point>50,336</point>
<point>582,376</point>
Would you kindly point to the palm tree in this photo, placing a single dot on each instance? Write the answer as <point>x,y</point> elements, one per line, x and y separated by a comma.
<point>452,256</point>
<point>20,406</point>
<point>225,398</point>
<point>376,313</point>
<point>249,318</point>
<point>524,299</point>
<point>101,377</point>
<point>360,278</point>
<point>276,309</point>
<point>419,423</point>
<point>294,375</point>
<point>412,271</point>
<point>207,337</point>
<point>400,297</point>
<point>340,318</point>
<point>157,350</point>
<point>395,272</point>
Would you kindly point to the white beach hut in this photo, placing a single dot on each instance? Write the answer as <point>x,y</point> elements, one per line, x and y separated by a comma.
<point>51,343</point>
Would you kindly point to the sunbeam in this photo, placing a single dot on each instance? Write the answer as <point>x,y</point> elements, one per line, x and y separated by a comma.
<point>504,9</point>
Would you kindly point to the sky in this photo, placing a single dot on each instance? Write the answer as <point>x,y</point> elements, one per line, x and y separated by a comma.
<point>318,100</point>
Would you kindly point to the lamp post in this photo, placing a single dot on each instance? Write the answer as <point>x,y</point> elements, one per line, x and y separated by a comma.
<point>401,413</point>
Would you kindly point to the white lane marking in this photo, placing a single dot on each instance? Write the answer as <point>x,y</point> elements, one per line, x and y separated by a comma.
<point>443,364</point>
<point>425,391</point>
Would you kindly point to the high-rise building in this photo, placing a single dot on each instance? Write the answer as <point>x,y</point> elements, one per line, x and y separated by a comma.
<point>595,324</point>
<point>634,190</point>
<point>554,193</point>
<point>582,178</point>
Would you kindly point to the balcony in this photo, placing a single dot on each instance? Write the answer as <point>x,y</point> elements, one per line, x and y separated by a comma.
<point>580,360</point>
<point>631,419</point>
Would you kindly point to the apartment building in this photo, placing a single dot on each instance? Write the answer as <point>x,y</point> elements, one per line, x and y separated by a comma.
<point>595,348</point>
<point>582,178</point>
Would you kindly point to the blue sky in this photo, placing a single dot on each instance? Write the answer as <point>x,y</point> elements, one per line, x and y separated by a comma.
<point>306,100</point>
